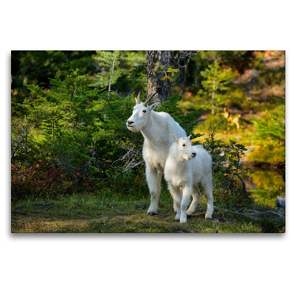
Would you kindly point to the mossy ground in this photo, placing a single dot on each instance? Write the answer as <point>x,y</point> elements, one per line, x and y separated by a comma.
<point>105,212</point>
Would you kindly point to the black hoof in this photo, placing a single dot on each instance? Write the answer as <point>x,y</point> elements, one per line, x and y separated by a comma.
<point>152,213</point>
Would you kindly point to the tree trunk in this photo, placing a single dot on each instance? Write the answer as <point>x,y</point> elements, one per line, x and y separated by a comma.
<point>212,97</point>
<point>158,63</point>
<point>157,60</point>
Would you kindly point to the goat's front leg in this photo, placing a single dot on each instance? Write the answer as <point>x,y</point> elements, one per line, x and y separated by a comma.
<point>154,183</point>
<point>176,195</point>
<point>184,203</point>
<point>196,198</point>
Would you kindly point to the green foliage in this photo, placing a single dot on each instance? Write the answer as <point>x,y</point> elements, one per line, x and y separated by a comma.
<point>76,132</point>
<point>107,60</point>
<point>269,185</point>
<point>188,121</point>
<point>215,84</point>
<point>228,170</point>
<point>24,118</point>
<point>270,131</point>
<point>120,68</point>
<point>259,84</point>
<point>271,126</point>
<point>36,67</point>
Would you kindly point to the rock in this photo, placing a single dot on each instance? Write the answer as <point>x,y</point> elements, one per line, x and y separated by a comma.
<point>253,216</point>
<point>252,212</point>
<point>281,202</point>
<point>248,77</point>
<point>274,213</point>
<point>221,219</point>
<point>42,204</point>
<point>257,214</point>
<point>19,208</point>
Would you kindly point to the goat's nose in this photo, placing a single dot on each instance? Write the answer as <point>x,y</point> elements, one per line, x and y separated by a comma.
<point>130,122</point>
<point>194,154</point>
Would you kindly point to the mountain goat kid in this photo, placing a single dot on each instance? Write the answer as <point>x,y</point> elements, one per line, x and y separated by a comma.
<point>186,166</point>
<point>156,128</point>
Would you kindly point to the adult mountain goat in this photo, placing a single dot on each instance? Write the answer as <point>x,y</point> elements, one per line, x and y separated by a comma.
<point>186,167</point>
<point>156,128</point>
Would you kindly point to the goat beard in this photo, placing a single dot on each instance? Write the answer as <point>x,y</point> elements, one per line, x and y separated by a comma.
<point>133,129</point>
<point>187,157</point>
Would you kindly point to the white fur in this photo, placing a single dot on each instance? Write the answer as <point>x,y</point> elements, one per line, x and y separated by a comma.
<point>186,167</point>
<point>156,128</point>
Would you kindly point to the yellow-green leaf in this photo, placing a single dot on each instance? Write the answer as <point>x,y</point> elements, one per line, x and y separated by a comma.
<point>167,77</point>
<point>172,70</point>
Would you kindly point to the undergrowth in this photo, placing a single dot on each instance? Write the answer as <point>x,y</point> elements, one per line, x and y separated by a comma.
<point>109,212</point>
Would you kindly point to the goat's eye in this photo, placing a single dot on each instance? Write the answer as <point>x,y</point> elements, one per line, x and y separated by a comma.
<point>183,145</point>
<point>144,111</point>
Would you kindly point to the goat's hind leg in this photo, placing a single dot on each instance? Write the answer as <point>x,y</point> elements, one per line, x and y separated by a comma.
<point>154,183</point>
<point>208,189</point>
<point>194,203</point>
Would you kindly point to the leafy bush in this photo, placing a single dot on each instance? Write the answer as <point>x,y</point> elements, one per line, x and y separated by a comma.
<point>228,170</point>
<point>270,131</point>
<point>39,180</point>
<point>269,185</point>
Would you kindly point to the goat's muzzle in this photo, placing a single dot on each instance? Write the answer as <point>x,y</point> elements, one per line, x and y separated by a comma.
<point>129,123</point>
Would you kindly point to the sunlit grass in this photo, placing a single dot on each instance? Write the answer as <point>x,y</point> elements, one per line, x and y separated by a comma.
<point>105,213</point>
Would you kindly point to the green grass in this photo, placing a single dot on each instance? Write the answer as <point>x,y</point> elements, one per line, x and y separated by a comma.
<point>109,212</point>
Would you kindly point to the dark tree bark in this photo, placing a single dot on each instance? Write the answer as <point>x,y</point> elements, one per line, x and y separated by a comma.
<point>158,65</point>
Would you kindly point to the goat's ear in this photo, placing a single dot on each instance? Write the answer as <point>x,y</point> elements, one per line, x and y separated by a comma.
<point>189,137</point>
<point>153,106</point>
<point>175,138</point>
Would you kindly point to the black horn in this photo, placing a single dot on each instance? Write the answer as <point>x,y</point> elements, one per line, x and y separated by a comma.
<point>147,101</point>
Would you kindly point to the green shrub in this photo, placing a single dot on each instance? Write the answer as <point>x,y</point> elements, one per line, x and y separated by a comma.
<point>270,131</point>
<point>228,170</point>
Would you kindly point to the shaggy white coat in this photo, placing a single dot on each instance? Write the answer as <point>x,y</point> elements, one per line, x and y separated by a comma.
<point>186,167</point>
<point>156,128</point>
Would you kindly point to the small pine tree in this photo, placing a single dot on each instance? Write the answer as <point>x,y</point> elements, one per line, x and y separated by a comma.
<point>215,83</point>
<point>117,66</point>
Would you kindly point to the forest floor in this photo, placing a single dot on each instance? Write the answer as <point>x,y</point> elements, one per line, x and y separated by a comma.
<point>107,213</point>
